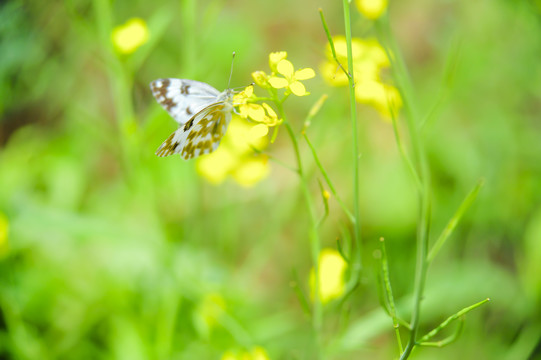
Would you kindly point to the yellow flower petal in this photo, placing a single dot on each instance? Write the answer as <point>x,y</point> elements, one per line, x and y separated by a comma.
<point>275,58</point>
<point>285,67</point>
<point>249,90</point>
<point>332,74</point>
<point>298,89</point>
<point>278,82</point>
<point>332,268</point>
<point>382,97</point>
<point>4,229</point>
<point>229,355</point>
<point>261,79</point>
<point>256,112</point>
<point>238,141</point>
<point>128,37</point>
<point>259,353</point>
<point>251,171</point>
<point>340,47</point>
<point>371,9</point>
<point>243,111</point>
<point>270,111</point>
<point>216,166</point>
<point>208,312</point>
<point>304,74</point>
<point>258,131</point>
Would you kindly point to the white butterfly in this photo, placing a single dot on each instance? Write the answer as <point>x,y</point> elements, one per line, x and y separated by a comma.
<point>202,112</point>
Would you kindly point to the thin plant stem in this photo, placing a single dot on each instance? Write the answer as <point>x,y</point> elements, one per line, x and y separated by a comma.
<point>404,154</point>
<point>448,230</point>
<point>450,319</point>
<point>331,44</point>
<point>389,293</point>
<point>404,84</point>
<point>315,247</point>
<point>328,180</point>
<point>353,116</point>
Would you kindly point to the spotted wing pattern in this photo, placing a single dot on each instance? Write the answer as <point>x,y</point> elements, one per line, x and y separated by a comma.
<point>183,98</point>
<point>200,135</point>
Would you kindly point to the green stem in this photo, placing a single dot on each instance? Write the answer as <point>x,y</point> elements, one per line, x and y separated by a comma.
<point>450,319</point>
<point>389,293</point>
<point>423,176</point>
<point>353,116</point>
<point>317,313</point>
<point>121,83</point>
<point>331,43</point>
<point>328,181</point>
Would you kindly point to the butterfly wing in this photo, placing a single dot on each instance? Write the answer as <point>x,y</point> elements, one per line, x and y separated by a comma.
<point>182,98</point>
<point>200,135</point>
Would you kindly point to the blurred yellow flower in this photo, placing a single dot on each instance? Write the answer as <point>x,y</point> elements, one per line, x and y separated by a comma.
<point>208,313</point>
<point>216,166</point>
<point>384,98</point>
<point>257,353</point>
<point>128,37</point>
<point>371,9</point>
<point>251,171</point>
<point>4,229</point>
<point>332,268</point>
<point>369,58</point>
<point>235,156</point>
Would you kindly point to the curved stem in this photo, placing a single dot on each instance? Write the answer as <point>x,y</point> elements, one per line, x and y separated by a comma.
<point>353,117</point>
<point>423,176</point>
<point>317,311</point>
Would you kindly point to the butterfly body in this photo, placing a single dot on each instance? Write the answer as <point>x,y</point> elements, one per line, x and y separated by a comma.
<point>202,112</point>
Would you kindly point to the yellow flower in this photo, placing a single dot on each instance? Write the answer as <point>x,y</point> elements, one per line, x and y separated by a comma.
<point>262,113</point>
<point>208,313</point>
<point>384,98</point>
<point>4,229</point>
<point>331,275</point>
<point>371,9</point>
<point>261,79</point>
<point>130,36</point>
<point>369,58</point>
<point>257,353</point>
<point>235,155</point>
<point>216,166</point>
<point>251,171</point>
<point>275,58</point>
<point>289,78</point>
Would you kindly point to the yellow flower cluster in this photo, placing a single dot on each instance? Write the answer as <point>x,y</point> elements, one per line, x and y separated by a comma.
<point>332,268</point>
<point>369,58</point>
<point>4,229</point>
<point>129,37</point>
<point>208,313</point>
<point>248,109</point>
<point>283,75</point>
<point>235,156</point>
<point>371,9</point>
<point>256,353</point>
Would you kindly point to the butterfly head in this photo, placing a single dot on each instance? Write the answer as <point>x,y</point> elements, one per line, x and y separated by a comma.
<point>227,98</point>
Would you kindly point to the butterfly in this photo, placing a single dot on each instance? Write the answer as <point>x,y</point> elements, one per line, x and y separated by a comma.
<point>202,112</point>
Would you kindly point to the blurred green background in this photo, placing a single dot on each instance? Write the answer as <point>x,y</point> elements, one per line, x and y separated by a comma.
<point>109,252</point>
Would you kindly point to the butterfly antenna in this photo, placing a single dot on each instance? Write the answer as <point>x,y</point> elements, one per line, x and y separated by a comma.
<point>231,73</point>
